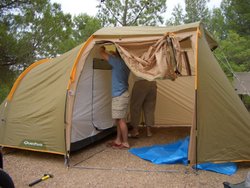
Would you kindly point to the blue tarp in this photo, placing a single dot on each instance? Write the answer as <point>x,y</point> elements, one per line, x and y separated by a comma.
<point>228,168</point>
<point>172,153</point>
<point>177,153</point>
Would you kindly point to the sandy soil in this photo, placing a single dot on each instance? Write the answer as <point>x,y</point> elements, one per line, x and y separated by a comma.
<point>99,166</point>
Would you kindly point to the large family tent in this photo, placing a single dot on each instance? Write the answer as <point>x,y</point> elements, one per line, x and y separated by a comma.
<point>57,105</point>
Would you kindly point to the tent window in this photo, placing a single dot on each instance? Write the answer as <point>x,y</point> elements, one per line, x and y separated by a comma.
<point>186,42</point>
<point>101,64</point>
<point>187,63</point>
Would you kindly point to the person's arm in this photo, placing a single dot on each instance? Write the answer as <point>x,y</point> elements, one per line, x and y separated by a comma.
<point>103,53</point>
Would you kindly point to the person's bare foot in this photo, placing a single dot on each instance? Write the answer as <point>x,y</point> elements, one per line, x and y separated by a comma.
<point>112,143</point>
<point>122,146</point>
<point>134,133</point>
<point>149,133</point>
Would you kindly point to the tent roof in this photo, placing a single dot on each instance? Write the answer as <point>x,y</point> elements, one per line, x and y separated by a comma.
<point>143,30</point>
<point>136,31</point>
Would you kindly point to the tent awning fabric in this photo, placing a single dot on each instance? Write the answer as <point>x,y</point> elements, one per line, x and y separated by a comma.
<point>156,59</point>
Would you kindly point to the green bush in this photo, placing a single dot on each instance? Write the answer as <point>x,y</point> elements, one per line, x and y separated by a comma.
<point>4,91</point>
<point>246,100</point>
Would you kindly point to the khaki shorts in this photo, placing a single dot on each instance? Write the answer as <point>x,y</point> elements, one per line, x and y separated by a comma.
<point>120,106</point>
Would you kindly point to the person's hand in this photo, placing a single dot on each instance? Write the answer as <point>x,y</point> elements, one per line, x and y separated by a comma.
<point>103,53</point>
<point>102,48</point>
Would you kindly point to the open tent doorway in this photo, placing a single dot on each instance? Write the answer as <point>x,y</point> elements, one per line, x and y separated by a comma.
<point>92,106</point>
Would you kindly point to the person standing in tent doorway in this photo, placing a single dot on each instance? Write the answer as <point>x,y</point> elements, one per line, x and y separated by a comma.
<point>120,96</point>
<point>143,98</point>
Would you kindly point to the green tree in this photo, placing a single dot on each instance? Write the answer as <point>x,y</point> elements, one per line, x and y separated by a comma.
<point>10,46</point>
<point>32,32</point>
<point>217,24</point>
<point>29,31</point>
<point>233,21</point>
<point>196,10</point>
<point>233,52</point>
<point>7,78</point>
<point>237,16</point>
<point>6,5</point>
<point>131,12</point>
<point>177,16</point>
<point>85,26</point>
<point>45,26</point>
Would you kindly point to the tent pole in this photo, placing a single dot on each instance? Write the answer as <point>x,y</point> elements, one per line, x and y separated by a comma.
<point>66,130</point>
<point>193,143</point>
<point>192,150</point>
<point>66,159</point>
<point>196,139</point>
<point>198,35</point>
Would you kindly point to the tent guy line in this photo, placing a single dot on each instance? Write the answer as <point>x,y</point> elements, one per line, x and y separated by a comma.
<point>126,169</point>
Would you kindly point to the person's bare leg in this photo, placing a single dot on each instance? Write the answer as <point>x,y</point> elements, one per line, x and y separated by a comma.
<point>124,132</point>
<point>118,139</point>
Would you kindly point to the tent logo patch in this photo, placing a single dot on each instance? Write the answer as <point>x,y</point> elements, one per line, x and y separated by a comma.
<point>32,144</point>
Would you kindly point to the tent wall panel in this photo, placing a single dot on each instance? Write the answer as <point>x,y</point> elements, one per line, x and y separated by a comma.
<point>175,102</point>
<point>223,121</point>
<point>36,105</point>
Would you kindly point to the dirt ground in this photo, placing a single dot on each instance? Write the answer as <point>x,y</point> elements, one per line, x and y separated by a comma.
<point>100,166</point>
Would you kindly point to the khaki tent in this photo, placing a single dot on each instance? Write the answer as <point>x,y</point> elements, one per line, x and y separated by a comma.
<point>57,105</point>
